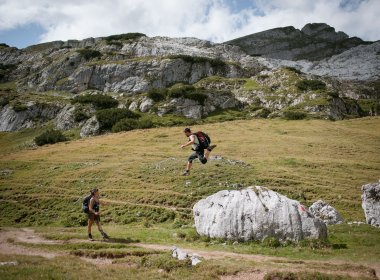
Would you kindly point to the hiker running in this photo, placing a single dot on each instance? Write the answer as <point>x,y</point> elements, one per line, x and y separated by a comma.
<point>199,141</point>
<point>91,207</point>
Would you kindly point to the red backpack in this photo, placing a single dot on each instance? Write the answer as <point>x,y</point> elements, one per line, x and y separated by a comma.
<point>203,138</point>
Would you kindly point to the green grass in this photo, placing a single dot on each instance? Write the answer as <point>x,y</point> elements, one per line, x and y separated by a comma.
<point>138,175</point>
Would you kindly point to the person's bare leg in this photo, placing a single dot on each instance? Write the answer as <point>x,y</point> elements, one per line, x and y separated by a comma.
<point>89,225</point>
<point>99,226</point>
<point>189,165</point>
<point>208,151</point>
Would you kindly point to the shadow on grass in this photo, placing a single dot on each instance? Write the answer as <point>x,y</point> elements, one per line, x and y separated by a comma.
<point>121,240</point>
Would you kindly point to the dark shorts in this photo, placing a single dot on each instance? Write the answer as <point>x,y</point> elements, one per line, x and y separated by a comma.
<point>199,154</point>
<point>93,217</point>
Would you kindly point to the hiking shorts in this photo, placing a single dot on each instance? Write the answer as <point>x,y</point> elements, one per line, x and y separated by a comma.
<point>93,217</point>
<point>200,154</point>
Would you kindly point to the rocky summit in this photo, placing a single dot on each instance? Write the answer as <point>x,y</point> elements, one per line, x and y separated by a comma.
<point>94,84</point>
<point>315,41</point>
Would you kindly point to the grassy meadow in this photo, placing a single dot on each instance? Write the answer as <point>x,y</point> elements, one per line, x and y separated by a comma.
<point>138,173</point>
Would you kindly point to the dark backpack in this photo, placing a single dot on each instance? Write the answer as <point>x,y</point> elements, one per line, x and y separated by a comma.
<point>86,203</point>
<point>204,139</point>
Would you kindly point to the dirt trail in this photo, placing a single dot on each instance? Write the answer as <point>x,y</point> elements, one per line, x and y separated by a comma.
<point>265,263</point>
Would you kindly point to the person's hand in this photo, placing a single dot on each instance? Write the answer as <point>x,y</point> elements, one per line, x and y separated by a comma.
<point>97,213</point>
<point>182,146</point>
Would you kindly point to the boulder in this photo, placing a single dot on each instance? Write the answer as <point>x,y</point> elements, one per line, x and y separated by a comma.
<point>146,104</point>
<point>90,128</point>
<point>326,213</point>
<point>255,213</point>
<point>371,203</point>
<point>182,255</point>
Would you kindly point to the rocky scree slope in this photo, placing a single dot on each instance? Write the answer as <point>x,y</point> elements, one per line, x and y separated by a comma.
<point>184,77</point>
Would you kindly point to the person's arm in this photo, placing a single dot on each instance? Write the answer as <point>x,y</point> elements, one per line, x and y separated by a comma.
<point>191,141</point>
<point>91,206</point>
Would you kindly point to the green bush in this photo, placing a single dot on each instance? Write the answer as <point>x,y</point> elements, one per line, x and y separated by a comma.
<point>50,136</point>
<point>200,59</point>
<point>295,115</point>
<point>126,36</point>
<point>109,117</point>
<point>99,101</point>
<point>271,242</point>
<point>125,125</point>
<point>145,123</point>
<point>88,54</point>
<point>293,69</point>
<point>4,101</point>
<point>157,94</point>
<point>19,107</point>
<point>80,115</point>
<point>311,85</point>
<point>188,92</point>
<point>128,124</point>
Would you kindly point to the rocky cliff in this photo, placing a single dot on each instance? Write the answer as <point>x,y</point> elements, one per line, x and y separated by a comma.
<point>315,41</point>
<point>181,78</point>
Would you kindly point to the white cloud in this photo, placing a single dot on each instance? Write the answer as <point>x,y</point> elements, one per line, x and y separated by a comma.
<point>215,20</point>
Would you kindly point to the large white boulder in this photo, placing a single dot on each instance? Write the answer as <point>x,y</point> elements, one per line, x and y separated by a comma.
<point>255,213</point>
<point>371,203</point>
<point>325,212</point>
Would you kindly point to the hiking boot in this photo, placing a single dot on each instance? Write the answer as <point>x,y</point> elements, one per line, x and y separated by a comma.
<point>90,237</point>
<point>105,236</point>
<point>211,148</point>
<point>186,173</point>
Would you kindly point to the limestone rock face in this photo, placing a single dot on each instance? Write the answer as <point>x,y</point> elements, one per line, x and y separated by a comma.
<point>325,212</point>
<point>65,118</point>
<point>371,203</point>
<point>146,104</point>
<point>90,128</point>
<point>11,120</point>
<point>255,213</point>
<point>314,42</point>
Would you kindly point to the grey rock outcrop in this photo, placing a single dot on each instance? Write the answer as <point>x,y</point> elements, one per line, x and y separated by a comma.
<point>371,203</point>
<point>325,212</point>
<point>365,58</point>
<point>255,213</point>
<point>11,120</point>
<point>314,42</point>
<point>90,128</point>
<point>65,118</point>
<point>146,105</point>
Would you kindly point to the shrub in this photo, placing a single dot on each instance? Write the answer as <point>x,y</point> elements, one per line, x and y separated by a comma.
<point>126,36</point>
<point>125,125</point>
<point>271,242</point>
<point>145,123</point>
<point>189,92</point>
<point>157,94</point>
<point>80,115</point>
<point>4,101</point>
<point>214,62</point>
<point>88,54</point>
<point>293,69</point>
<point>50,136</point>
<point>109,117</point>
<point>19,107</point>
<point>180,91</point>
<point>99,101</point>
<point>294,115</point>
<point>311,85</point>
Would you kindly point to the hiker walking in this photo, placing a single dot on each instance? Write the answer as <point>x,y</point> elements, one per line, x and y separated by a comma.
<point>199,142</point>
<point>91,207</point>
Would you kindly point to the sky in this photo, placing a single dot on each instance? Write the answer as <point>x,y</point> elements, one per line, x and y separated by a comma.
<point>28,22</point>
